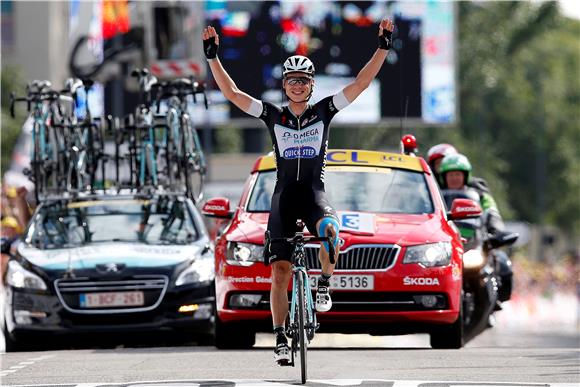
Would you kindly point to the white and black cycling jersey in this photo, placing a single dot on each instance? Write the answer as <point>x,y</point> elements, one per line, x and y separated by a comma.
<point>300,142</point>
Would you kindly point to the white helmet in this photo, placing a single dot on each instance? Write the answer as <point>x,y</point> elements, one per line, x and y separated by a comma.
<point>298,64</point>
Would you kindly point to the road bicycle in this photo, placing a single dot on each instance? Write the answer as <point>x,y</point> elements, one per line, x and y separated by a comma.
<point>47,151</point>
<point>184,156</point>
<point>90,143</point>
<point>301,324</point>
<point>141,132</point>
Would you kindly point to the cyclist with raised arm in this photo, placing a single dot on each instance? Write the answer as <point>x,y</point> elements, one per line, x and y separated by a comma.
<point>299,133</point>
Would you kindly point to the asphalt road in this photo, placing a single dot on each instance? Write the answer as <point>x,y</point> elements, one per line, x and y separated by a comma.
<point>498,357</point>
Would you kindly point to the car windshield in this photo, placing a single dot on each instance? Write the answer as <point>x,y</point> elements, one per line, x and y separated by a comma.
<point>159,221</point>
<point>365,189</point>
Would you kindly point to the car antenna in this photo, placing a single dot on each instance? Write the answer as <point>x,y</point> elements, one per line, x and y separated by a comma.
<point>403,117</point>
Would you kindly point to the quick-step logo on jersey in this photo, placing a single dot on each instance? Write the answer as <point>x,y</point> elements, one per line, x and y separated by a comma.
<point>304,144</point>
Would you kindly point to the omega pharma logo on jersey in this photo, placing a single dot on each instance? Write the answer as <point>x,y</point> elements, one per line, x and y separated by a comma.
<point>305,143</point>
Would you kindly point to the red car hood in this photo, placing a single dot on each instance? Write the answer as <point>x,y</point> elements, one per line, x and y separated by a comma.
<point>400,229</point>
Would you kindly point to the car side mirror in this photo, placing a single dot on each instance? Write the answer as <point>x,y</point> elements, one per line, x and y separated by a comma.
<point>217,208</point>
<point>464,209</point>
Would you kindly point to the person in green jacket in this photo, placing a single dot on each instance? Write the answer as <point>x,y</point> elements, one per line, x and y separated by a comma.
<point>455,173</point>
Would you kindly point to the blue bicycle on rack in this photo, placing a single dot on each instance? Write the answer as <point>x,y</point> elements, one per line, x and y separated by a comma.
<point>43,103</point>
<point>301,324</point>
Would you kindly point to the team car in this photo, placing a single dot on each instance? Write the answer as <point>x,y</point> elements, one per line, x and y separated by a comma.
<point>399,268</point>
<point>110,264</point>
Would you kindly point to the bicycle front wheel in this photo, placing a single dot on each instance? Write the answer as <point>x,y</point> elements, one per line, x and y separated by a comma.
<point>302,326</point>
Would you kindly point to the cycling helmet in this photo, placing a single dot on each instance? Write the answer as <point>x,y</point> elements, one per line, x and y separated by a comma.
<point>438,151</point>
<point>455,162</point>
<point>298,64</point>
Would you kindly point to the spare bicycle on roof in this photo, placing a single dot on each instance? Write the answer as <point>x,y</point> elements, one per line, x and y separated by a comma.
<point>154,149</point>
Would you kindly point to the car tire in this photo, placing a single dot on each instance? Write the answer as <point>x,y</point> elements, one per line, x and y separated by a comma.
<point>12,344</point>
<point>449,336</point>
<point>233,336</point>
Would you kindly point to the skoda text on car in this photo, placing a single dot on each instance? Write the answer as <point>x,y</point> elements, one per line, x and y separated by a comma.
<point>400,267</point>
<point>110,264</point>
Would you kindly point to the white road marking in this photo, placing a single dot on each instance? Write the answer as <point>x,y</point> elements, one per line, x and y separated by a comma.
<point>24,364</point>
<point>290,383</point>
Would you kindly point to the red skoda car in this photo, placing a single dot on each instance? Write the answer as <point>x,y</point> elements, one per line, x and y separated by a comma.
<point>399,269</point>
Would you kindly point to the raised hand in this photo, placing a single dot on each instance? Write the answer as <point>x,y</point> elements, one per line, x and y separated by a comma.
<point>211,41</point>
<point>386,28</point>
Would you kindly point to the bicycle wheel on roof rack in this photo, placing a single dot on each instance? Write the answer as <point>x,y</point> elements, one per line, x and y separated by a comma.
<point>200,157</point>
<point>193,182</point>
<point>192,172</point>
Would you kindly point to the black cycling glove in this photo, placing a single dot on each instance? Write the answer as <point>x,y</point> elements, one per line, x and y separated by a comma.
<point>210,48</point>
<point>386,39</point>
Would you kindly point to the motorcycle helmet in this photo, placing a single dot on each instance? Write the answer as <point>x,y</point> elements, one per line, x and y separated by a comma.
<point>298,64</point>
<point>455,162</point>
<point>439,151</point>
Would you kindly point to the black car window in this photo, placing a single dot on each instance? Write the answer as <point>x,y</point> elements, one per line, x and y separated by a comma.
<point>163,221</point>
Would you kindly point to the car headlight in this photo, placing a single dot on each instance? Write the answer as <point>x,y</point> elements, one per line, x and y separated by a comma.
<point>244,254</point>
<point>19,277</point>
<point>429,255</point>
<point>201,270</point>
<point>473,259</point>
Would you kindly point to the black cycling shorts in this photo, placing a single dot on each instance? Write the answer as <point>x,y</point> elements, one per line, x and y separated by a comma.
<point>293,202</point>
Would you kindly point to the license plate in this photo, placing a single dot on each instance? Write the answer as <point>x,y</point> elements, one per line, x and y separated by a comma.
<point>347,282</point>
<point>111,299</point>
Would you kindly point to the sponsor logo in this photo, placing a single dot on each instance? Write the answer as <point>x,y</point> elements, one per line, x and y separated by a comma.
<point>304,136</point>
<point>306,152</point>
<point>110,267</point>
<point>420,281</point>
<point>215,208</point>
<point>157,250</point>
<point>309,119</point>
<point>328,211</point>
<point>299,143</point>
<point>467,209</point>
<point>393,158</point>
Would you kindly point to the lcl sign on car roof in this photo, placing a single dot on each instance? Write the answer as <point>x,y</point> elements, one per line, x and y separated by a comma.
<point>358,158</point>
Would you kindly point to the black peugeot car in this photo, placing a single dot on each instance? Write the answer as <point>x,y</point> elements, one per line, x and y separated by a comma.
<point>110,264</point>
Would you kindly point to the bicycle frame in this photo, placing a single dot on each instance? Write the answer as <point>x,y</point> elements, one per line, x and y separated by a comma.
<point>148,158</point>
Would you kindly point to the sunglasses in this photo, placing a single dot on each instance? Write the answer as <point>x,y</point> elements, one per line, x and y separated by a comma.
<point>298,81</point>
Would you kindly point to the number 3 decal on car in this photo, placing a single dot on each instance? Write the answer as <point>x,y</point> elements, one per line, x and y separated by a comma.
<point>354,221</point>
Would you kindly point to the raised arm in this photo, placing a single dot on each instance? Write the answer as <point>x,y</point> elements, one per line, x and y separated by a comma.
<point>371,69</point>
<point>226,84</point>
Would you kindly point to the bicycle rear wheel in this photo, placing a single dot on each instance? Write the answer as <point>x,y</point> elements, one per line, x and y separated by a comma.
<point>302,327</point>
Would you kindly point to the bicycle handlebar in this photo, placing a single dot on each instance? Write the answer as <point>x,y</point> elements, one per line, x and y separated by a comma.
<point>37,96</point>
<point>299,238</point>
